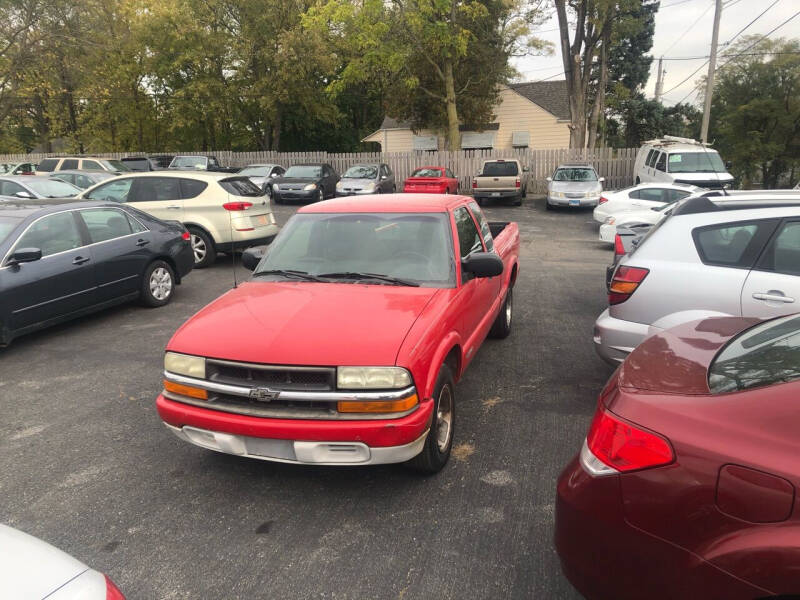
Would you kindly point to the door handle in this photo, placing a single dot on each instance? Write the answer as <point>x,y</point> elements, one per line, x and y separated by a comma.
<point>773,297</point>
<point>79,260</point>
<point>174,207</point>
<point>141,242</point>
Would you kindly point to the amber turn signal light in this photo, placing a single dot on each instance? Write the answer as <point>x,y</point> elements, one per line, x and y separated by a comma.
<point>185,390</point>
<point>378,406</point>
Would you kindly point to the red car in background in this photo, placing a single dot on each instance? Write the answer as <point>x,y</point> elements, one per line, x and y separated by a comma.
<point>431,180</point>
<point>686,485</point>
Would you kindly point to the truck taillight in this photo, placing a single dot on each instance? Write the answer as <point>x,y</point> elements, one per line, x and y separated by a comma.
<point>626,281</point>
<point>474,184</point>
<point>235,206</point>
<point>625,447</point>
<point>517,183</point>
<point>112,591</point>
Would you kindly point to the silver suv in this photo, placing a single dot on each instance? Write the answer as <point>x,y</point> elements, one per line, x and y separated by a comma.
<point>711,257</point>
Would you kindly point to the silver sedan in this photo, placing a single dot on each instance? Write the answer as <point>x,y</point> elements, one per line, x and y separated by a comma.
<point>21,186</point>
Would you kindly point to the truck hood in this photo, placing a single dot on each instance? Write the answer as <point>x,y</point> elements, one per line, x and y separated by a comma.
<point>575,186</point>
<point>676,361</point>
<point>305,323</point>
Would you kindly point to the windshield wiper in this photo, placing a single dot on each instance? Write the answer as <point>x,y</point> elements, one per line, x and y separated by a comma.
<point>378,276</point>
<point>289,273</point>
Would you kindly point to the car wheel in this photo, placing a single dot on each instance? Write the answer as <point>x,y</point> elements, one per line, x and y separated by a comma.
<point>547,204</point>
<point>158,284</point>
<point>321,195</point>
<point>638,181</point>
<point>203,248</point>
<point>502,324</point>
<point>394,189</point>
<point>518,199</point>
<point>439,441</point>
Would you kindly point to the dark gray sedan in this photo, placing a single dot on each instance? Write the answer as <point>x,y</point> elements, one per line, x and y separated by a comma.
<point>376,178</point>
<point>98,254</point>
<point>28,186</point>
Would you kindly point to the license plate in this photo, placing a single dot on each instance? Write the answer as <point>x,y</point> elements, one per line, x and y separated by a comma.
<point>262,220</point>
<point>495,193</point>
<point>574,202</point>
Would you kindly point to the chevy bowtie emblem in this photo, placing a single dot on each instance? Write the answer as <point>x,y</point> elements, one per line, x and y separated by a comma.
<point>263,394</point>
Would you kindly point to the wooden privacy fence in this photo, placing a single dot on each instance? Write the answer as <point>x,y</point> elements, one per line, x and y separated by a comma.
<point>616,165</point>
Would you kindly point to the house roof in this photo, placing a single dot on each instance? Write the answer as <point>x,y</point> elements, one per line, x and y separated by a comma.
<point>550,95</point>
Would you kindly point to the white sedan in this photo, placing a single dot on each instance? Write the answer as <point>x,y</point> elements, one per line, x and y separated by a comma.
<point>34,570</point>
<point>638,219</point>
<point>642,196</point>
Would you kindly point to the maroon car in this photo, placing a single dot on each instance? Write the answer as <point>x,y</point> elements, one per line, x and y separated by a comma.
<point>686,485</point>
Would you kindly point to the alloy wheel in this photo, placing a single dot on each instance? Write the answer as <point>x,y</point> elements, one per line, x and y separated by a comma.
<point>444,418</point>
<point>199,248</point>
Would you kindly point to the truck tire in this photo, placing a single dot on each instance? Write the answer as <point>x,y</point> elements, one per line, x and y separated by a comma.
<point>547,205</point>
<point>439,441</point>
<point>638,181</point>
<point>518,199</point>
<point>205,253</point>
<point>502,324</point>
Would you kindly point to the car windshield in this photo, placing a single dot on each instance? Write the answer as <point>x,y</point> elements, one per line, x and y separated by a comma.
<point>575,174</point>
<point>255,171</point>
<point>412,247</point>
<point>361,172</point>
<point>7,224</point>
<point>762,355</point>
<point>116,165</point>
<point>500,169</point>
<point>427,172</point>
<point>695,162</point>
<point>188,162</point>
<point>303,172</point>
<point>52,188</point>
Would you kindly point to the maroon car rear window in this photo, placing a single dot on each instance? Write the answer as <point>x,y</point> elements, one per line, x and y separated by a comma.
<point>762,355</point>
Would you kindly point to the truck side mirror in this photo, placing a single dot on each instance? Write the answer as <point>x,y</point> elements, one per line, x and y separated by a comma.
<point>252,256</point>
<point>525,169</point>
<point>482,264</point>
<point>601,179</point>
<point>549,179</point>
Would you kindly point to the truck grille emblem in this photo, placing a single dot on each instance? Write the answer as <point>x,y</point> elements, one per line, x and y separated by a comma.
<point>263,394</point>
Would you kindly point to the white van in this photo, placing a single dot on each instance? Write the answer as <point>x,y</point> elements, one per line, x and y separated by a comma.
<point>682,161</point>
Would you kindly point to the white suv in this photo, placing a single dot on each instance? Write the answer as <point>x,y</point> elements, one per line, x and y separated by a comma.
<point>682,161</point>
<point>719,256</point>
<point>222,212</point>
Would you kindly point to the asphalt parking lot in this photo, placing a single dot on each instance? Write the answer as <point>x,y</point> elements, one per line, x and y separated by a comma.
<point>86,465</point>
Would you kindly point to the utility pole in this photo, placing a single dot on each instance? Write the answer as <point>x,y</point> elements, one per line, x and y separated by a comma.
<point>660,80</point>
<point>712,63</point>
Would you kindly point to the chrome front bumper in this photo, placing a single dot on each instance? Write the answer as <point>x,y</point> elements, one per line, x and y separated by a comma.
<point>299,452</point>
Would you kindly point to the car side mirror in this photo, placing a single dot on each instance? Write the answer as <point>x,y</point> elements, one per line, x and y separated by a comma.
<point>525,169</point>
<point>482,264</point>
<point>252,256</point>
<point>24,255</point>
<point>601,179</point>
<point>549,179</point>
<point>384,177</point>
<point>26,195</point>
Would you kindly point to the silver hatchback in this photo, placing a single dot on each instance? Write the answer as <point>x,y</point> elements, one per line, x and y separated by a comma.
<point>574,184</point>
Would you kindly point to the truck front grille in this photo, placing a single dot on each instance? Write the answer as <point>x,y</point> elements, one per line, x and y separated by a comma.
<point>276,377</point>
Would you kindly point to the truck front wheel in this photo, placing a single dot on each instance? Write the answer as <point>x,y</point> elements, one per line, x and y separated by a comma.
<point>436,450</point>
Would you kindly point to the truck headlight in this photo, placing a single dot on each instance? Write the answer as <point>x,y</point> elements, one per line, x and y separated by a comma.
<point>372,378</point>
<point>310,186</point>
<point>558,194</point>
<point>184,364</point>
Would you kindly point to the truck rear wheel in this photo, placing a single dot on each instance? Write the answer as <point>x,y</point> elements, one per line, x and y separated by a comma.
<point>502,324</point>
<point>439,442</point>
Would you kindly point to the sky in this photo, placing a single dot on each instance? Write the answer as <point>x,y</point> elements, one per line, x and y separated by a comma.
<point>683,29</point>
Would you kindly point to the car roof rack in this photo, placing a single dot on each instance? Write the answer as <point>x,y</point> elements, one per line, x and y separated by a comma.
<point>705,204</point>
<point>672,139</point>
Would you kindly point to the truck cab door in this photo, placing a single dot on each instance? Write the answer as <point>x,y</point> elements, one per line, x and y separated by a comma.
<point>772,288</point>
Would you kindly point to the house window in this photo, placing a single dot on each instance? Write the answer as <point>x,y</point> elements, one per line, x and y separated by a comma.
<point>474,140</point>
<point>424,143</point>
<point>520,139</point>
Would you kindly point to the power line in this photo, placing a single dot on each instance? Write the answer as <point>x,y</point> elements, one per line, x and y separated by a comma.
<point>689,28</point>
<point>551,77</point>
<point>738,33</point>
<point>791,52</point>
<point>673,4</point>
<point>759,40</point>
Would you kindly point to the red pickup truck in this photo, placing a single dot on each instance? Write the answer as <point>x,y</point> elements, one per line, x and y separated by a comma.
<point>345,345</point>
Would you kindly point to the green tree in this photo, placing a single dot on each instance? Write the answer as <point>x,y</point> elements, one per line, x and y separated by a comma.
<point>755,112</point>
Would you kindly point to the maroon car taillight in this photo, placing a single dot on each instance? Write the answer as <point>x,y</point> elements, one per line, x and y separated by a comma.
<point>112,591</point>
<point>626,281</point>
<point>625,447</point>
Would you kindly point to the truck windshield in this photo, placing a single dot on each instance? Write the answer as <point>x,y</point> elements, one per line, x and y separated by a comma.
<point>695,162</point>
<point>188,162</point>
<point>765,354</point>
<point>415,247</point>
<point>500,169</point>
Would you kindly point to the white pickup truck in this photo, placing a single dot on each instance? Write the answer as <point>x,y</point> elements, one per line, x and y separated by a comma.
<point>501,179</point>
